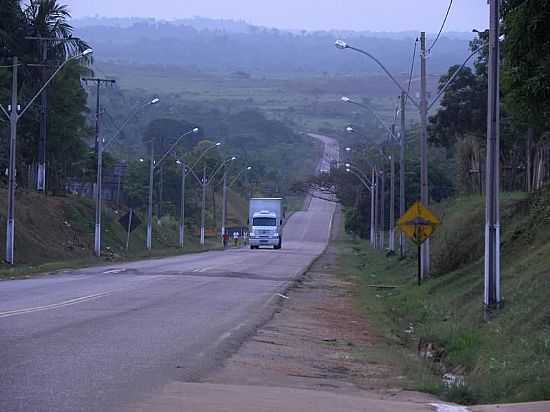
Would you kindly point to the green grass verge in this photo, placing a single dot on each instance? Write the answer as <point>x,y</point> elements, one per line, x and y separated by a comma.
<point>506,359</point>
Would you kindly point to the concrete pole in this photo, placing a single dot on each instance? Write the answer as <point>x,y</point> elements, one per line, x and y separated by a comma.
<point>42,146</point>
<point>392,202</point>
<point>150,202</point>
<point>382,210</point>
<point>224,201</point>
<point>492,296</point>
<point>424,194</point>
<point>373,209</point>
<point>402,143</point>
<point>12,181</point>
<point>98,189</point>
<point>376,209</point>
<point>203,205</point>
<point>182,206</point>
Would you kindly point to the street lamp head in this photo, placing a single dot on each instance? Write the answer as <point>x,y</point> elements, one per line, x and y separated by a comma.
<point>249,168</point>
<point>196,130</point>
<point>218,144</point>
<point>141,160</point>
<point>178,162</point>
<point>348,165</point>
<point>350,129</point>
<point>155,100</point>
<point>233,158</point>
<point>348,149</point>
<point>87,52</point>
<point>348,170</point>
<point>345,99</point>
<point>340,44</point>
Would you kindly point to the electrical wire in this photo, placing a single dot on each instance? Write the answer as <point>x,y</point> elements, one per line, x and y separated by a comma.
<point>411,71</point>
<point>442,26</point>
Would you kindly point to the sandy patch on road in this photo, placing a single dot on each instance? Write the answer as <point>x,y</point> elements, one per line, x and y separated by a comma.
<point>316,340</point>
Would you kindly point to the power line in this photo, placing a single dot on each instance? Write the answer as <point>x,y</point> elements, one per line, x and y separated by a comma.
<point>442,26</point>
<point>412,70</point>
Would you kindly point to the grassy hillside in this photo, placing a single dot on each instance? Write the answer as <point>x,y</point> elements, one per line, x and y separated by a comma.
<point>506,359</point>
<point>59,231</point>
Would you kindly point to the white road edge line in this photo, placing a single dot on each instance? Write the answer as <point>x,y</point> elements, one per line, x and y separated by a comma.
<point>59,305</point>
<point>114,271</point>
<point>441,407</point>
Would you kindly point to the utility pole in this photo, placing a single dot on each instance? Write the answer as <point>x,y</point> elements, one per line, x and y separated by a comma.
<point>224,201</point>
<point>182,205</point>
<point>42,146</point>
<point>150,203</point>
<point>392,201</point>
<point>203,205</point>
<point>12,181</point>
<point>492,296</point>
<point>373,209</point>
<point>424,194</point>
<point>402,143</point>
<point>382,210</point>
<point>99,153</point>
<point>377,208</point>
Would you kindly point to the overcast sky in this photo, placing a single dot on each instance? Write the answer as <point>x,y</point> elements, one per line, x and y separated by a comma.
<point>373,15</point>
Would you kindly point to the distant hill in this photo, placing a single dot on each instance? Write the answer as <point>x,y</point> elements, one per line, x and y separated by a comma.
<point>228,45</point>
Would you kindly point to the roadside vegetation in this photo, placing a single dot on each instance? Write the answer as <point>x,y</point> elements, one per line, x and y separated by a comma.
<point>505,359</point>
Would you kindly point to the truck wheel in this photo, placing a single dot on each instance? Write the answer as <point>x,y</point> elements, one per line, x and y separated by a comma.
<point>253,247</point>
<point>280,245</point>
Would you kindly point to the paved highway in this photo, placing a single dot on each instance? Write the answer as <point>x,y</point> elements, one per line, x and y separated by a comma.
<point>101,338</point>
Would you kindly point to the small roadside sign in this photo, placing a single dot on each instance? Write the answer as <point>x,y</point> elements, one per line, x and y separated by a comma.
<point>418,223</point>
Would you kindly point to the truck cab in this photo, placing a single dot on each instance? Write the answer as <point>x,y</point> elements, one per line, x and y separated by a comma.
<point>265,224</point>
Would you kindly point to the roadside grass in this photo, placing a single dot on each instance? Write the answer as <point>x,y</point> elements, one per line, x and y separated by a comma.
<point>54,233</point>
<point>505,359</point>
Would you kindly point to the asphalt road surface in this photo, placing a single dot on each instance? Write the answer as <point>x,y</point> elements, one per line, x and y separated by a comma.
<point>101,338</point>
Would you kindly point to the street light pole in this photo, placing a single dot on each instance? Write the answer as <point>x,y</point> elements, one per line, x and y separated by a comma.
<point>152,166</point>
<point>150,203</point>
<point>182,205</point>
<point>14,117</point>
<point>392,203</point>
<point>424,194</point>
<point>382,209</point>
<point>101,145</point>
<point>203,205</point>
<point>402,142</point>
<point>11,175</point>
<point>492,295</point>
<point>373,208</point>
<point>224,201</point>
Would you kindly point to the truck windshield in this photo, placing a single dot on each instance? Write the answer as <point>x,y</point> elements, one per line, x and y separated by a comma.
<point>264,221</point>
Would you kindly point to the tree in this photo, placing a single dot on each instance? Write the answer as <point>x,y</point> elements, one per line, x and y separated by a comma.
<point>527,61</point>
<point>67,108</point>
<point>463,109</point>
<point>526,80</point>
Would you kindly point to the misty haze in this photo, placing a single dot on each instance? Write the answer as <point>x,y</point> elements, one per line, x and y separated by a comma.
<point>300,205</point>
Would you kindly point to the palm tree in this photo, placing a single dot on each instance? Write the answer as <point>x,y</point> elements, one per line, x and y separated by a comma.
<point>49,19</point>
<point>51,40</point>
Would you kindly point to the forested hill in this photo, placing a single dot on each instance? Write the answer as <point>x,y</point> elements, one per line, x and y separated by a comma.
<point>220,45</point>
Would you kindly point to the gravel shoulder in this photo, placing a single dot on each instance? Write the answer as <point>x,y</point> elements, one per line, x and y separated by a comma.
<point>318,339</point>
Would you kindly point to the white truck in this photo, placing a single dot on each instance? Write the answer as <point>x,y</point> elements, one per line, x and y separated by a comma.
<point>265,217</point>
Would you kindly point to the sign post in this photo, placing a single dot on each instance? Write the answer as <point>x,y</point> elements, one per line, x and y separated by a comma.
<point>419,224</point>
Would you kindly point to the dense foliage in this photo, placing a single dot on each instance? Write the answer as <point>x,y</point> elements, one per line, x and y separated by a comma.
<point>67,128</point>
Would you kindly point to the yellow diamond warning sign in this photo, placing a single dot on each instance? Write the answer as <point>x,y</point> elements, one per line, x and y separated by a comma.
<point>418,223</point>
